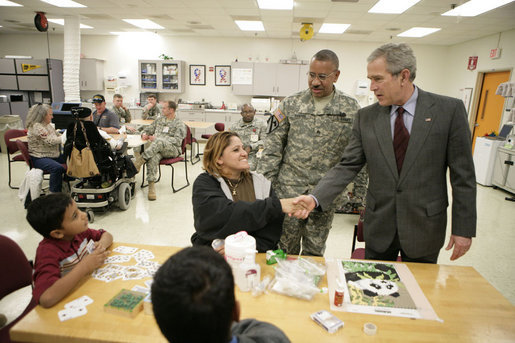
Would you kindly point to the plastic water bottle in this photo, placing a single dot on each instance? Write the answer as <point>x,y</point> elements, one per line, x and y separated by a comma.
<point>248,273</point>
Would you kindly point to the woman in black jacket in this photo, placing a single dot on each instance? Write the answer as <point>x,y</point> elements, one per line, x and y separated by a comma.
<point>227,198</point>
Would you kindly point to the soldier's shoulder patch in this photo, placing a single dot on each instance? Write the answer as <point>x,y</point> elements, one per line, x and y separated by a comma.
<point>278,114</point>
<point>272,124</point>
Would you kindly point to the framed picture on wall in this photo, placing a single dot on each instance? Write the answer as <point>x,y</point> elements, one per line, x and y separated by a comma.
<point>197,75</point>
<point>222,75</point>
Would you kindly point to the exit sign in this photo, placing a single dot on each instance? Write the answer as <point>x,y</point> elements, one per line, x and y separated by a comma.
<point>495,53</point>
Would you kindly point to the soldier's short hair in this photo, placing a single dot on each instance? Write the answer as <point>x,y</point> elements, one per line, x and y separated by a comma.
<point>171,104</point>
<point>248,105</point>
<point>398,56</point>
<point>152,96</point>
<point>214,149</point>
<point>327,55</point>
<point>117,96</point>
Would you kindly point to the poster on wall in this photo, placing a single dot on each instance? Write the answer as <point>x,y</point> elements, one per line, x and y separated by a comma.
<point>223,75</point>
<point>197,75</point>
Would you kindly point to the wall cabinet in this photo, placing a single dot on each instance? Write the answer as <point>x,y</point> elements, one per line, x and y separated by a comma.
<point>212,116</point>
<point>38,80</point>
<point>165,76</point>
<point>91,74</point>
<point>273,79</point>
<point>504,170</point>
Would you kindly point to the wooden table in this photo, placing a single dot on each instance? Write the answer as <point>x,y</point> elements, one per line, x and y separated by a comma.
<point>191,124</point>
<point>472,310</point>
<point>141,122</point>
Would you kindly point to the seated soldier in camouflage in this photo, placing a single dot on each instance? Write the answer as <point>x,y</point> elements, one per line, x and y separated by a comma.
<point>151,109</point>
<point>252,132</point>
<point>120,110</point>
<point>165,134</point>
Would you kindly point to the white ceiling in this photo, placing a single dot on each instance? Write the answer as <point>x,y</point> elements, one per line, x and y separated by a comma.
<point>215,18</point>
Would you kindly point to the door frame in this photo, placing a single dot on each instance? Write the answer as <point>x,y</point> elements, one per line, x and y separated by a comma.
<point>477,94</point>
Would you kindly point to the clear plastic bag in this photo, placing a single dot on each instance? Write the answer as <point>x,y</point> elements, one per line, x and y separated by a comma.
<point>297,278</point>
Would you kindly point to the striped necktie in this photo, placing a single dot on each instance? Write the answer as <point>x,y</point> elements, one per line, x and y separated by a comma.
<point>400,139</point>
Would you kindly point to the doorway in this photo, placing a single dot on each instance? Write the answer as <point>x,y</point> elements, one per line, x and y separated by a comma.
<point>490,106</point>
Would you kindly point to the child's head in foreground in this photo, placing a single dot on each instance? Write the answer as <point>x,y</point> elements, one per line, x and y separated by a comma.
<point>193,297</point>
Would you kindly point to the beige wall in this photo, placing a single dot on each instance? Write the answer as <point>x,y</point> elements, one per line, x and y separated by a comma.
<point>441,69</point>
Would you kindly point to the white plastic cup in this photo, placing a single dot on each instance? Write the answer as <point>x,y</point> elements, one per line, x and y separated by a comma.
<point>235,247</point>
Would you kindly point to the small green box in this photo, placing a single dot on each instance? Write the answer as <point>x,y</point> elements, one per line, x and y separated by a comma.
<point>126,303</point>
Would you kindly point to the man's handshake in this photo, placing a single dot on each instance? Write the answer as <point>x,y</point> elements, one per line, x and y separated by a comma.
<point>299,207</point>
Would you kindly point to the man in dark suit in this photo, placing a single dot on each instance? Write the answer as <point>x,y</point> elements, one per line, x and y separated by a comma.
<point>408,153</point>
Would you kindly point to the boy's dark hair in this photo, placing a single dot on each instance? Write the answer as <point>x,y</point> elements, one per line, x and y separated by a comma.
<point>46,213</point>
<point>193,297</point>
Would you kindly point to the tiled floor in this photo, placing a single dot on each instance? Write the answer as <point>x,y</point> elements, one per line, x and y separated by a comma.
<point>169,221</point>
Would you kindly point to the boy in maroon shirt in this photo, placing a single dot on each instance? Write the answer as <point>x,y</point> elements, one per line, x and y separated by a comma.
<point>61,258</point>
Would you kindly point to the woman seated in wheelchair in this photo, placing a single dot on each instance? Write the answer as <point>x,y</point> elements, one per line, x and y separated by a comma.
<point>111,165</point>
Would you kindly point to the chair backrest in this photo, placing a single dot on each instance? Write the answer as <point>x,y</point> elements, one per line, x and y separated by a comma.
<point>24,149</point>
<point>15,269</point>
<point>187,140</point>
<point>359,233</point>
<point>219,127</point>
<point>8,135</point>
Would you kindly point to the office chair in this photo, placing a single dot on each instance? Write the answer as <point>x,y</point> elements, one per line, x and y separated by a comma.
<point>359,253</point>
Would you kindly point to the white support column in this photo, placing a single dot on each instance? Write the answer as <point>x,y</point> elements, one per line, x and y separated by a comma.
<point>71,65</point>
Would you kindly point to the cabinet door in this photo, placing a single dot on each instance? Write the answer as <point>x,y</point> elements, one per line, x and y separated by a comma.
<point>170,76</point>
<point>148,76</point>
<point>8,82</point>
<point>91,74</point>
<point>303,77</point>
<point>287,79</point>
<point>31,67</point>
<point>7,66</point>
<point>33,83</point>
<point>242,78</point>
<point>500,168</point>
<point>510,178</point>
<point>264,79</point>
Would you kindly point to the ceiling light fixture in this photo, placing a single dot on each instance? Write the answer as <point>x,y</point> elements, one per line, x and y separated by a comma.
<point>419,32</point>
<point>333,28</point>
<point>275,4</point>
<point>61,22</point>
<point>144,23</point>
<point>9,3</point>
<point>392,6</point>
<point>63,3</point>
<point>250,25</point>
<point>475,7</point>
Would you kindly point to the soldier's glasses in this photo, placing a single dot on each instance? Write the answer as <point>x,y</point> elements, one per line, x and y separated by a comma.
<point>321,77</point>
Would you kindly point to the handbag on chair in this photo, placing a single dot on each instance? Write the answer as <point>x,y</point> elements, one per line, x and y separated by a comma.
<point>81,163</point>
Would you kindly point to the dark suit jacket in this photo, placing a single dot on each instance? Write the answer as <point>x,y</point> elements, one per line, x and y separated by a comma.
<point>415,202</point>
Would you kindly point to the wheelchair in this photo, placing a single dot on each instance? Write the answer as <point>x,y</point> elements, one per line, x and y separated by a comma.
<point>96,193</point>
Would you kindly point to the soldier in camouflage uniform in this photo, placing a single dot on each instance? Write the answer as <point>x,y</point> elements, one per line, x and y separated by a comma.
<point>151,110</point>
<point>252,132</point>
<point>120,110</point>
<point>307,136</point>
<point>165,134</point>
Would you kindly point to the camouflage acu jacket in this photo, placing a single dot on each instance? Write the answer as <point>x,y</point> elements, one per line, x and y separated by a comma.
<point>302,146</point>
<point>172,131</point>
